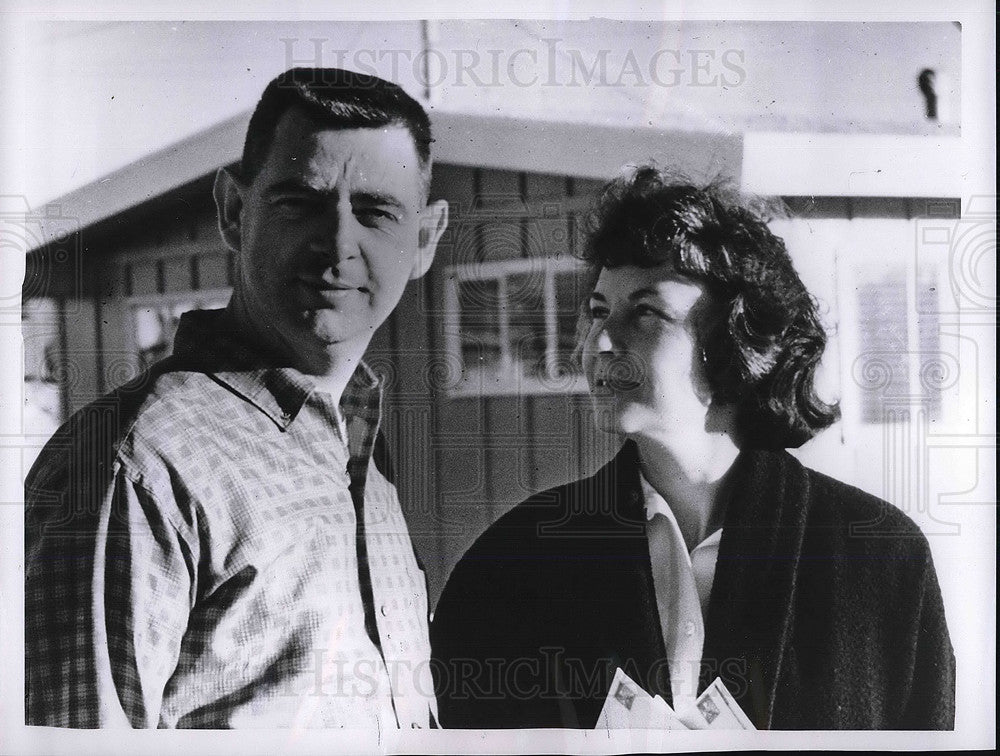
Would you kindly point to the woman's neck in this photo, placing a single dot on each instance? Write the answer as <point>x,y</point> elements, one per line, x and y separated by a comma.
<point>690,475</point>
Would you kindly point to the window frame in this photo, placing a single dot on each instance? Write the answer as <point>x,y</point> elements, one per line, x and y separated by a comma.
<point>509,382</point>
<point>199,298</point>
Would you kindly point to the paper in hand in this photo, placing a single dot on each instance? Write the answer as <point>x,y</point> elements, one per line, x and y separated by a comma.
<point>664,718</point>
<point>719,710</point>
<point>629,707</point>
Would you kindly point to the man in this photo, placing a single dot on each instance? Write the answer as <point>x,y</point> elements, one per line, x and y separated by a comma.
<point>211,545</point>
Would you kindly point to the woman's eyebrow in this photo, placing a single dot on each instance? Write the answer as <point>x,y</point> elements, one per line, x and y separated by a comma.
<point>664,304</point>
<point>644,292</point>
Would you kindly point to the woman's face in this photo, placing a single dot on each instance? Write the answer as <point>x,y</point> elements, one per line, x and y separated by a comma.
<point>641,354</point>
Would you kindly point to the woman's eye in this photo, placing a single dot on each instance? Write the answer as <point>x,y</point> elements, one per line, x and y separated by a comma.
<point>642,311</point>
<point>598,313</point>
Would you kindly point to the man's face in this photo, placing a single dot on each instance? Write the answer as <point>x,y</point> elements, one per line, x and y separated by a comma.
<point>328,236</point>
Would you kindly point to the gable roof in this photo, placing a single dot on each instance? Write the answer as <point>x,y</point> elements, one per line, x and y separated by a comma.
<point>572,149</point>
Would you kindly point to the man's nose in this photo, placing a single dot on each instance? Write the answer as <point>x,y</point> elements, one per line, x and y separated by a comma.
<point>335,236</point>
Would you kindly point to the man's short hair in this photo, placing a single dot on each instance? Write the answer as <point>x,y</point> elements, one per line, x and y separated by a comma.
<point>763,345</point>
<point>337,99</point>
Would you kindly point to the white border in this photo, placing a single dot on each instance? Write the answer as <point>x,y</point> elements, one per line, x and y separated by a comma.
<point>975,154</point>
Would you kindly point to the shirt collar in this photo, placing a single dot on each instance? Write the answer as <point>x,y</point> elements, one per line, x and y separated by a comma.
<point>209,341</point>
<point>656,504</point>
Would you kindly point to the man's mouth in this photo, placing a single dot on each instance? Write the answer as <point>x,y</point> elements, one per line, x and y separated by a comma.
<point>332,288</point>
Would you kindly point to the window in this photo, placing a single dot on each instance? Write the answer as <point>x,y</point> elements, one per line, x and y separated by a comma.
<point>154,318</point>
<point>512,324</point>
<point>900,358</point>
<point>42,367</point>
<point>880,303</point>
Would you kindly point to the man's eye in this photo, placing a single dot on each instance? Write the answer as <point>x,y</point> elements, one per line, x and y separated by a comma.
<point>598,313</point>
<point>374,216</point>
<point>296,204</point>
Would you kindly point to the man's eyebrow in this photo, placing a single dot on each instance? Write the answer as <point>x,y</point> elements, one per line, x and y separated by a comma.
<point>291,186</point>
<point>364,198</point>
<point>369,199</point>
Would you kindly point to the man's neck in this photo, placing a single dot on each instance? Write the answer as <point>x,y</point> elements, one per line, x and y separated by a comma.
<point>334,380</point>
<point>330,368</point>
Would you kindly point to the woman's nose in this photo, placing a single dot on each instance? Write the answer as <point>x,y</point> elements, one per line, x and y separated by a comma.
<point>603,341</point>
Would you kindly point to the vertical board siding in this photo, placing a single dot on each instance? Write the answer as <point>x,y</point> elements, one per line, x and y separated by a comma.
<point>213,270</point>
<point>145,276</point>
<point>495,451</point>
<point>498,209</point>
<point>504,446</point>
<point>460,461</point>
<point>481,455</point>
<point>61,358</point>
<point>120,361</point>
<point>176,272</point>
<point>401,352</point>
<point>549,428</point>
<point>81,356</point>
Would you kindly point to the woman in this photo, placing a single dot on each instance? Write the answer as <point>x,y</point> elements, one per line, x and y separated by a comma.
<point>703,549</point>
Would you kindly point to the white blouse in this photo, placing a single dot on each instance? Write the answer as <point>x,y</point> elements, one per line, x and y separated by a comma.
<point>683,583</point>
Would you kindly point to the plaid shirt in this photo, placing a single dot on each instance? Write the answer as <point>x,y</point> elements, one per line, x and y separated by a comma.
<point>205,549</point>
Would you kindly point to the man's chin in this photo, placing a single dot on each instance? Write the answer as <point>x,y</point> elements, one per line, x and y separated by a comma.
<point>331,328</point>
<point>318,342</point>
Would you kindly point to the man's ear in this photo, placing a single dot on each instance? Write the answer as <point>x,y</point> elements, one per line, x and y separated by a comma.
<point>229,192</point>
<point>432,225</point>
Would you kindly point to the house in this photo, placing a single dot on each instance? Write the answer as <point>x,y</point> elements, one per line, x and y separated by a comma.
<point>485,403</point>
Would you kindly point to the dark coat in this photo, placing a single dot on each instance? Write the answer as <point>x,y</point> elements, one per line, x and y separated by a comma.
<point>825,612</point>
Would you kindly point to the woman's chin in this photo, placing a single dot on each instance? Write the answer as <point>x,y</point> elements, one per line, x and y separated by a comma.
<point>606,420</point>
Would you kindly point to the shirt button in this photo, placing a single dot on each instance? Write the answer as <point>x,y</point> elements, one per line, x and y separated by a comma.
<point>414,726</point>
<point>689,628</point>
<point>286,416</point>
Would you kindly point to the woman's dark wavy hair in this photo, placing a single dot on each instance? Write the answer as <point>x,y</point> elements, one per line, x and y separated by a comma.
<point>763,346</point>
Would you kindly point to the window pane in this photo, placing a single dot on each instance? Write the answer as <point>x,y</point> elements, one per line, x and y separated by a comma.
<point>882,322</point>
<point>934,369</point>
<point>479,328</point>
<point>526,306</point>
<point>42,369</point>
<point>155,326</point>
<point>156,323</point>
<point>515,327</point>
<point>571,294</point>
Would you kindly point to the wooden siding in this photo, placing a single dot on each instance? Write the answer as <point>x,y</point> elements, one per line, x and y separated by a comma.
<point>462,461</point>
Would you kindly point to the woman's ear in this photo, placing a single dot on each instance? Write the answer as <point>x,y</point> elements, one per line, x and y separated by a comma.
<point>229,192</point>
<point>433,223</point>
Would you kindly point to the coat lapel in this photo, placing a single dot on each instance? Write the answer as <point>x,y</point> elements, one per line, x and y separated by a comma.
<point>750,610</point>
<point>637,639</point>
